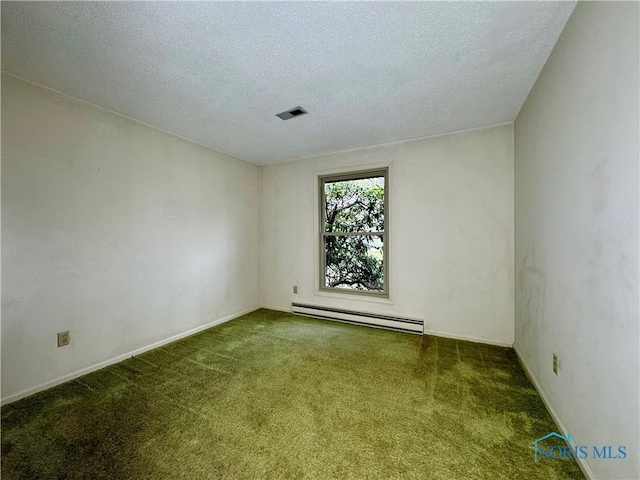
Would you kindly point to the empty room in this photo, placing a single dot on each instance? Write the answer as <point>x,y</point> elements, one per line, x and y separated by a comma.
<point>321,240</point>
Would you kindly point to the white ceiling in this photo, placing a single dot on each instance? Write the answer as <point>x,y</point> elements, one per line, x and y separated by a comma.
<point>217,73</point>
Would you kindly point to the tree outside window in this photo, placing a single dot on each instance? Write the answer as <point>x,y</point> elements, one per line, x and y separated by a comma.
<point>353,241</point>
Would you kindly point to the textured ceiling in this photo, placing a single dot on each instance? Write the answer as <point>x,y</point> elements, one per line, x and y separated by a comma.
<point>217,73</point>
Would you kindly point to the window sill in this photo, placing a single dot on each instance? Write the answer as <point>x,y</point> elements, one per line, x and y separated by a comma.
<point>354,297</point>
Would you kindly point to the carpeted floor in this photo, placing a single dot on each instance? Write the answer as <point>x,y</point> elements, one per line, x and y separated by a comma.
<point>273,395</point>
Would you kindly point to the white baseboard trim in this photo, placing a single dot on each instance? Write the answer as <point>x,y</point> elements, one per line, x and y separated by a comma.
<point>428,332</point>
<point>563,428</point>
<point>119,358</point>
<point>277,309</point>
<point>467,338</point>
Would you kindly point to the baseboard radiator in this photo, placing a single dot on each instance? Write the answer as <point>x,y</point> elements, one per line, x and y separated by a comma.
<point>389,322</point>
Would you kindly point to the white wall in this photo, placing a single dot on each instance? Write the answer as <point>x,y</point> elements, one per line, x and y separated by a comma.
<point>118,232</point>
<point>451,257</point>
<point>576,151</point>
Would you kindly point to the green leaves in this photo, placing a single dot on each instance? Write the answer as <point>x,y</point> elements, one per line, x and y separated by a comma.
<point>355,205</point>
<point>354,209</point>
<point>354,262</point>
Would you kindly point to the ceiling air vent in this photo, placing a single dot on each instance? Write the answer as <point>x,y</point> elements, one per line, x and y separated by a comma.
<point>294,112</point>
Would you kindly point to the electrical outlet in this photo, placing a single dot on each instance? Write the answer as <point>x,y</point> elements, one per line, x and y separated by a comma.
<point>295,289</point>
<point>556,364</point>
<point>64,338</point>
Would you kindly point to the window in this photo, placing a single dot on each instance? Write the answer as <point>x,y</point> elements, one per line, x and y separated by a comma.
<point>353,243</point>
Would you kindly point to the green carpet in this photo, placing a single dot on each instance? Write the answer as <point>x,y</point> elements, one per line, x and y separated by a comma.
<point>273,395</point>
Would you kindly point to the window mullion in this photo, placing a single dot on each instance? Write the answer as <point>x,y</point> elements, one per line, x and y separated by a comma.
<point>346,234</point>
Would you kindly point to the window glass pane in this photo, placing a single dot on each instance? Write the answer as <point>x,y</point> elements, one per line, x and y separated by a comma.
<point>354,205</point>
<point>354,262</point>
